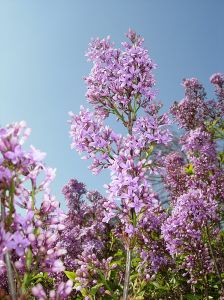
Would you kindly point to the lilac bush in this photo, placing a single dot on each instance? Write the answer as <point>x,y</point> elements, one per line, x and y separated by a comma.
<point>131,243</point>
<point>194,230</point>
<point>187,236</point>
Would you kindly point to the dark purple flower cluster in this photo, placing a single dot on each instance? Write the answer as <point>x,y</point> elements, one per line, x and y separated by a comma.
<point>218,81</point>
<point>84,230</point>
<point>86,237</point>
<point>191,111</point>
<point>175,177</point>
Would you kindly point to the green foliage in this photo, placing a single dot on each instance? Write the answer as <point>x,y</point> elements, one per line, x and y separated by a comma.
<point>216,128</point>
<point>189,169</point>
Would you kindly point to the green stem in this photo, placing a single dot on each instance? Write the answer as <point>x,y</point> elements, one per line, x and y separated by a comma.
<point>11,281</point>
<point>2,212</point>
<point>104,151</point>
<point>10,276</point>
<point>11,204</point>
<point>127,274</point>
<point>206,287</point>
<point>129,252</point>
<point>116,111</point>
<point>129,125</point>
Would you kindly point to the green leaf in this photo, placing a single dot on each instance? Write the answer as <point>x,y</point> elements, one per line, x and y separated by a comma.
<point>119,253</point>
<point>221,157</point>
<point>149,151</point>
<point>155,236</point>
<point>84,292</point>
<point>102,277</point>
<point>95,288</point>
<point>42,277</point>
<point>134,218</point>
<point>119,262</point>
<point>160,286</point>
<point>189,169</point>
<point>26,281</point>
<point>134,276</point>
<point>70,275</point>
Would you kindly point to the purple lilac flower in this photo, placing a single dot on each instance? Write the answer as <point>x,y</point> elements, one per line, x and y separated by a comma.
<point>192,111</point>
<point>118,76</point>
<point>4,246</point>
<point>84,228</point>
<point>90,135</point>
<point>31,237</point>
<point>175,177</point>
<point>19,243</point>
<point>183,231</point>
<point>218,80</point>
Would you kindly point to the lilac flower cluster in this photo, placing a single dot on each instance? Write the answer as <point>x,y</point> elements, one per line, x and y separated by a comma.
<point>86,237</point>
<point>119,76</point>
<point>183,231</point>
<point>191,111</point>
<point>30,237</point>
<point>62,291</point>
<point>175,177</point>
<point>90,135</point>
<point>218,81</point>
<point>84,229</point>
<point>195,184</point>
<point>131,168</point>
<point>89,266</point>
<point>152,129</point>
<point>152,247</point>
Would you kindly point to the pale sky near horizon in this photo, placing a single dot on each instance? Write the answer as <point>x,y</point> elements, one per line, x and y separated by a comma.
<point>42,62</point>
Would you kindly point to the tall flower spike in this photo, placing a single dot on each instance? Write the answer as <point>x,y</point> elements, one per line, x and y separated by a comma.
<point>121,83</point>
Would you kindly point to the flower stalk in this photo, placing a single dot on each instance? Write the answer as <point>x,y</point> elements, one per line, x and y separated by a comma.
<point>127,274</point>
<point>10,275</point>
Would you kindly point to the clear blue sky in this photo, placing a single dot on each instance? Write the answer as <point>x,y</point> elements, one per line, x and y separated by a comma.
<point>42,63</point>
